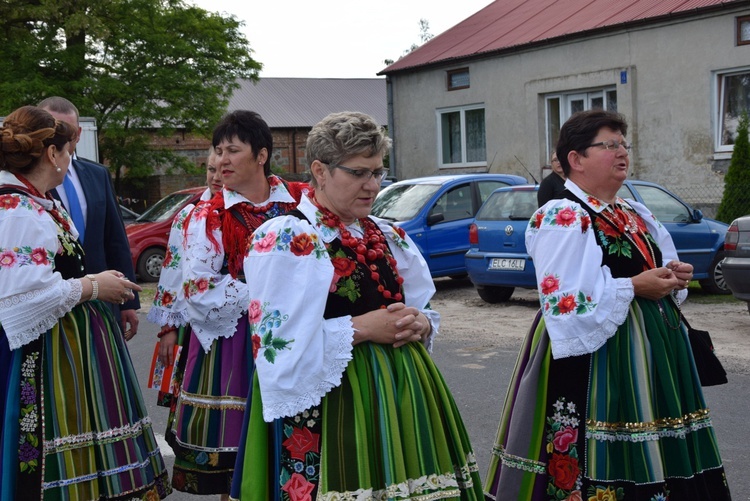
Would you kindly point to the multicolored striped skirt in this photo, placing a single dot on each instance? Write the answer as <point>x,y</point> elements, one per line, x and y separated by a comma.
<point>74,424</point>
<point>627,422</point>
<point>207,422</point>
<point>391,430</point>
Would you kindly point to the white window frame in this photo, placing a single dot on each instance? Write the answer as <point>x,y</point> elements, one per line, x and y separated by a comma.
<point>719,90</point>
<point>462,112</point>
<point>566,99</point>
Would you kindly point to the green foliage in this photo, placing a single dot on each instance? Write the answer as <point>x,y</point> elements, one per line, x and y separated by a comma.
<point>134,65</point>
<point>736,199</point>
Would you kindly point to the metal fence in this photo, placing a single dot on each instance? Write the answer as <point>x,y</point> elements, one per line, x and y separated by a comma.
<point>705,197</point>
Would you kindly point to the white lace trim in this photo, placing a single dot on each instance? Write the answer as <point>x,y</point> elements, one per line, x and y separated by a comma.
<point>221,321</point>
<point>425,488</point>
<point>584,345</point>
<point>28,315</point>
<point>87,439</point>
<point>163,316</point>
<point>434,319</point>
<point>342,355</point>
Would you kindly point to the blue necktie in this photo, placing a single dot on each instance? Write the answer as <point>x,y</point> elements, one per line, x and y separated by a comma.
<point>74,206</point>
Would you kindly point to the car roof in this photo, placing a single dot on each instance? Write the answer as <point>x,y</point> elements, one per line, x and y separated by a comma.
<point>196,189</point>
<point>448,178</point>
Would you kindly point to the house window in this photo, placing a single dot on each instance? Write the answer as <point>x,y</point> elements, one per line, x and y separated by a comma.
<point>743,30</point>
<point>458,79</point>
<point>461,139</point>
<point>733,100</point>
<point>559,107</point>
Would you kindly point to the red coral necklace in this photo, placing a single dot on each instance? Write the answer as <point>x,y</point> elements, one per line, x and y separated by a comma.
<point>371,247</point>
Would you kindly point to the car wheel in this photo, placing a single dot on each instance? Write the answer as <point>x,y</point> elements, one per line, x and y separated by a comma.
<point>715,283</point>
<point>492,294</point>
<point>149,264</point>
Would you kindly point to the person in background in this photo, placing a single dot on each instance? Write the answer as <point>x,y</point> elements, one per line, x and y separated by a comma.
<point>553,185</point>
<point>207,422</point>
<point>169,290</point>
<point>86,192</point>
<point>346,402</point>
<point>605,401</point>
<point>73,423</point>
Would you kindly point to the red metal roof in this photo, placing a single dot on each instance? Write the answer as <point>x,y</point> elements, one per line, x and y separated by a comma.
<point>506,24</point>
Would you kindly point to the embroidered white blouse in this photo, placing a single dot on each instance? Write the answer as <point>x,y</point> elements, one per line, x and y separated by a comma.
<point>300,355</point>
<point>169,290</point>
<point>34,296</point>
<point>582,304</point>
<point>211,302</point>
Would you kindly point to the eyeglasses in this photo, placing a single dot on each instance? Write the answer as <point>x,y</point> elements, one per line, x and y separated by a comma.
<point>613,145</point>
<point>363,175</point>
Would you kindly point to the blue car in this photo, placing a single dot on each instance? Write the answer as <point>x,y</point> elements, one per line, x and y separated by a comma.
<point>436,213</point>
<point>497,261</point>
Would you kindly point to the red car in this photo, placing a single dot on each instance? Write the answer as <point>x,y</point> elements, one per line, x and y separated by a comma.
<point>149,233</point>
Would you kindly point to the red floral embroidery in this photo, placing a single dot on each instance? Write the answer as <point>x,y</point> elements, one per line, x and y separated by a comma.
<point>39,256</point>
<point>301,442</point>
<point>266,243</point>
<point>254,311</point>
<point>585,223</point>
<point>574,496</point>
<point>7,259</point>
<point>256,345</point>
<point>167,258</point>
<point>565,217</point>
<point>298,488</point>
<point>538,218</point>
<point>301,245</point>
<point>549,284</point>
<point>343,266</point>
<point>567,303</point>
<point>594,202</point>
<point>400,231</point>
<point>166,299</point>
<point>202,284</point>
<point>565,437</point>
<point>564,469</point>
<point>8,201</point>
<point>607,229</point>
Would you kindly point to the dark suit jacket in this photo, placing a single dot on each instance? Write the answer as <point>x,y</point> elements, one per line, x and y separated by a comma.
<point>105,244</point>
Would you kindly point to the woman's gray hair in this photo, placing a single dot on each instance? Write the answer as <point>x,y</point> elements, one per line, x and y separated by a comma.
<point>341,136</point>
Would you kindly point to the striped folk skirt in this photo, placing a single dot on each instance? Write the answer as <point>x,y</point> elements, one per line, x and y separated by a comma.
<point>391,430</point>
<point>206,425</point>
<point>74,424</point>
<point>628,422</point>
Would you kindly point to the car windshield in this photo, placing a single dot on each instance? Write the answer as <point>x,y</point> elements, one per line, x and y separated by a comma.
<point>511,204</point>
<point>164,209</point>
<point>401,202</point>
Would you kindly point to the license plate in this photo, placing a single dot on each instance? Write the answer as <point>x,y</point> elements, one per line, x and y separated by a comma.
<point>497,263</point>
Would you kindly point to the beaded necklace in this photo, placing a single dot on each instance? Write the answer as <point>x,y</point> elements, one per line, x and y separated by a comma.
<point>371,247</point>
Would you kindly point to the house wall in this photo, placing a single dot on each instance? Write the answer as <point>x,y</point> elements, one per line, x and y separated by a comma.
<point>668,99</point>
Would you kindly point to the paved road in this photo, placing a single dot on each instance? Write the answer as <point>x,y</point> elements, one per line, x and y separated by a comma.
<point>478,376</point>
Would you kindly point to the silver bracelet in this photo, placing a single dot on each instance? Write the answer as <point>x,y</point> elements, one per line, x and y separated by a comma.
<point>94,287</point>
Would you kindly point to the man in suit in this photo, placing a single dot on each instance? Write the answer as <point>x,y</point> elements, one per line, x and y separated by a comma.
<point>88,196</point>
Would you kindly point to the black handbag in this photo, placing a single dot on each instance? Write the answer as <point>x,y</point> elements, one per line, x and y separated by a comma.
<point>710,370</point>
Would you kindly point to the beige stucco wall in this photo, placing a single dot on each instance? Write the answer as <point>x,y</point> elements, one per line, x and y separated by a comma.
<point>669,100</point>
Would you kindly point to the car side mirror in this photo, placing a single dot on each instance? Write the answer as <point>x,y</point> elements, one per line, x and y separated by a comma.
<point>697,215</point>
<point>435,218</point>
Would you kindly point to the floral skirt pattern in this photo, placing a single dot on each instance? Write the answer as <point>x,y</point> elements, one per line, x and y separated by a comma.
<point>626,423</point>
<point>74,424</point>
<point>391,430</point>
<point>205,428</point>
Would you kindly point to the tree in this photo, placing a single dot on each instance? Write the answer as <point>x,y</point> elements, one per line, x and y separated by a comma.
<point>424,36</point>
<point>736,199</point>
<point>134,65</point>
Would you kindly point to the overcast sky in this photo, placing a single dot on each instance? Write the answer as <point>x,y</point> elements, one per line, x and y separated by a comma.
<point>337,38</point>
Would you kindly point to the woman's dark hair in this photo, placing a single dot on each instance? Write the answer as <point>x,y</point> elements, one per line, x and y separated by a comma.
<point>248,127</point>
<point>581,128</point>
<point>26,134</point>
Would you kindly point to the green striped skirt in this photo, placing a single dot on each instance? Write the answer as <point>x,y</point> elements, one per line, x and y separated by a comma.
<point>391,430</point>
<point>74,422</point>
<point>627,422</point>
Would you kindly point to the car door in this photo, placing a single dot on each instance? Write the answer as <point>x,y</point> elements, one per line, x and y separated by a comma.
<point>448,240</point>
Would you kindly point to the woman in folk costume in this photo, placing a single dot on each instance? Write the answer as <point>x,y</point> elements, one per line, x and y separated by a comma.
<point>346,402</point>
<point>213,300</point>
<point>72,419</point>
<point>605,402</point>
